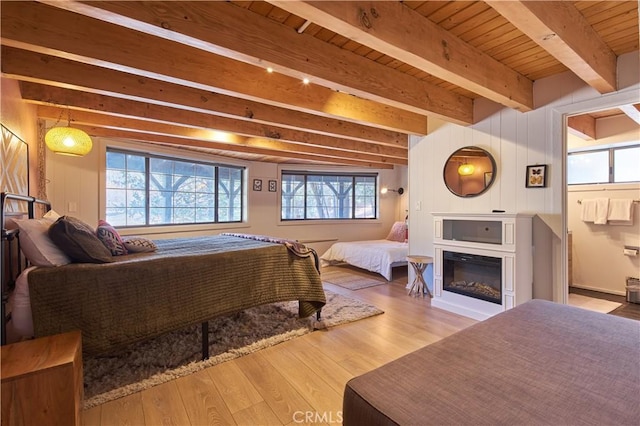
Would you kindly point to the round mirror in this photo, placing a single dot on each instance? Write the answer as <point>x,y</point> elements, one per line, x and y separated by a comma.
<point>469,171</point>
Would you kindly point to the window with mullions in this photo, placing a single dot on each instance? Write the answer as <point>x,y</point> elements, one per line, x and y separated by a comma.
<point>612,165</point>
<point>147,190</point>
<point>316,196</point>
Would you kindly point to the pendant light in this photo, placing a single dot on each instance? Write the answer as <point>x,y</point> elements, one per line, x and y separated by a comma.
<point>67,140</point>
<point>466,169</point>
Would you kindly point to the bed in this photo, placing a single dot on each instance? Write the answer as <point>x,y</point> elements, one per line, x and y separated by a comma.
<point>538,363</point>
<point>379,256</point>
<point>184,281</point>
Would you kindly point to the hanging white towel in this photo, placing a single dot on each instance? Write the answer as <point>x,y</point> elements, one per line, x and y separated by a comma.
<point>602,211</point>
<point>588,211</point>
<point>620,209</point>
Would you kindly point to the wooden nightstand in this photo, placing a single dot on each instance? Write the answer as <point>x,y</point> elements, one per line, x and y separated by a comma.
<point>42,381</point>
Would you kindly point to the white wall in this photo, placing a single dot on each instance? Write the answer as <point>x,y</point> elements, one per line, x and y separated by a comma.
<point>516,140</point>
<point>75,189</point>
<point>598,260</point>
<point>20,119</point>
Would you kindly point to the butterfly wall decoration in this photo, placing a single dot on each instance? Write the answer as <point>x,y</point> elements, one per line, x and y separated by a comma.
<point>536,176</point>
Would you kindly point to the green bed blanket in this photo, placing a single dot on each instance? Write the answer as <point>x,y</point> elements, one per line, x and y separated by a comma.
<point>187,281</point>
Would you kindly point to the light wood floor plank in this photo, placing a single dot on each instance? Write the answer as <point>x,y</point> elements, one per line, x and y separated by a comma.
<point>282,398</point>
<point>162,405</point>
<point>311,386</point>
<point>257,414</point>
<point>202,401</point>
<point>92,416</point>
<point>297,382</point>
<point>123,411</point>
<point>236,390</point>
<point>322,364</point>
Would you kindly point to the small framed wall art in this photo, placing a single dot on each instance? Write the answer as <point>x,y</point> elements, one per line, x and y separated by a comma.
<point>273,186</point>
<point>536,176</point>
<point>257,184</point>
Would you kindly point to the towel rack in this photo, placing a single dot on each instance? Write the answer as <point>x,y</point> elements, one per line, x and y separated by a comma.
<point>635,201</point>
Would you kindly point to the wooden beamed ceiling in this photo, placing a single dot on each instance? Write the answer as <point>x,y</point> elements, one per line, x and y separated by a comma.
<point>193,74</point>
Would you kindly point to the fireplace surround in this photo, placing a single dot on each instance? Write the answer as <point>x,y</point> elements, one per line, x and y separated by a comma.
<point>482,263</point>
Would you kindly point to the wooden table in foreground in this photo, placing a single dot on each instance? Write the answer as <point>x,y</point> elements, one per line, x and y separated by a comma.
<point>42,381</point>
<point>419,264</point>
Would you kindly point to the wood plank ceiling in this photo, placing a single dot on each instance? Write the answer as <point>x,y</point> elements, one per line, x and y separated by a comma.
<point>195,74</point>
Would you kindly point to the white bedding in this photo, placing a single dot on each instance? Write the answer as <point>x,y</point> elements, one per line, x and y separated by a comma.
<point>20,305</point>
<point>378,256</point>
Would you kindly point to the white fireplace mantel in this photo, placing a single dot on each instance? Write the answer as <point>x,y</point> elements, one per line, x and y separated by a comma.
<point>500,235</point>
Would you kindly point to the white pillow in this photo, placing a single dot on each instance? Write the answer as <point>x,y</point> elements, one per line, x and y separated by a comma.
<point>36,245</point>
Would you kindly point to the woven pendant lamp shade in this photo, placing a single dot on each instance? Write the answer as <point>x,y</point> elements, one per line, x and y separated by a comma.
<point>68,141</point>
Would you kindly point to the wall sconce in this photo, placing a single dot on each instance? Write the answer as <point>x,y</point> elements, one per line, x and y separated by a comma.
<point>384,190</point>
<point>67,140</point>
<point>466,169</point>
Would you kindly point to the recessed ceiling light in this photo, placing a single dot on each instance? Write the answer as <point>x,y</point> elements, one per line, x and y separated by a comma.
<point>305,81</point>
<point>269,69</point>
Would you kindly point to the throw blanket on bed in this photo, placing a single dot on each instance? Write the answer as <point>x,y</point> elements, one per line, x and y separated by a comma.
<point>295,247</point>
<point>187,281</point>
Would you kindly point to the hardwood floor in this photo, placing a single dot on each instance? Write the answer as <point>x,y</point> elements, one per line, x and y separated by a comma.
<point>297,382</point>
<point>626,310</point>
<point>300,381</point>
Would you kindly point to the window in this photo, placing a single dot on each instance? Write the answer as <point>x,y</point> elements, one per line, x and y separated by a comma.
<point>147,190</point>
<point>612,165</point>
<point>312,196</point>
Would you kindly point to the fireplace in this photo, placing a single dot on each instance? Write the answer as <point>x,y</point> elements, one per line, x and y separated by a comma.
<point>473,275</point>
<point>482,263</point>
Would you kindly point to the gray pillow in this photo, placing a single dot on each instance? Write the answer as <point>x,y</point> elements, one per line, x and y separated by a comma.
<point>79,241</point>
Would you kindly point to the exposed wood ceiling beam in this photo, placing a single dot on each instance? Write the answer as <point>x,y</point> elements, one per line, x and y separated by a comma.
<point>234,32</point>
<point>60,72</point>
<point>560,29</point>
<point>111,108</point>
<point>23,27</point>
<point>376,24</point>
<point>249,146</point>
<point>583,126</point>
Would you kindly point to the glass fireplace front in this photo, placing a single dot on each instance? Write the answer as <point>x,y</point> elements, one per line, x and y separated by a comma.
<point>473,276</point>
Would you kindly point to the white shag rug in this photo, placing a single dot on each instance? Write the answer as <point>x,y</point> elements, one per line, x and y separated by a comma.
<point>177,354</point>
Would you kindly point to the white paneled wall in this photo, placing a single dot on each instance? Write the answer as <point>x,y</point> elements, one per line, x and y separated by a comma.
<point>516,140</point>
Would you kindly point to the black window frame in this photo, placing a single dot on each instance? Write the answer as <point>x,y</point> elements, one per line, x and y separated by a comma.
<point>352,175</point>
<point>217,165</point>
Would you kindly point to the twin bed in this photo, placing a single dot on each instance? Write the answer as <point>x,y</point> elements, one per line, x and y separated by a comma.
<point>379,256</point>
<point>184,282</point>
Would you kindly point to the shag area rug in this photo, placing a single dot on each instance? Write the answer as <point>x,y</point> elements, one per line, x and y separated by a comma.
<point>177,354</point>
<point>349,279</point>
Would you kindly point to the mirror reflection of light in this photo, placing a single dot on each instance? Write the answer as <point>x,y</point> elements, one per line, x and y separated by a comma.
<point>466,169</point>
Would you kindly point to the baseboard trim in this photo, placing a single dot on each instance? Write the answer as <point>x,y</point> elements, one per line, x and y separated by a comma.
<point>601,290</point>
